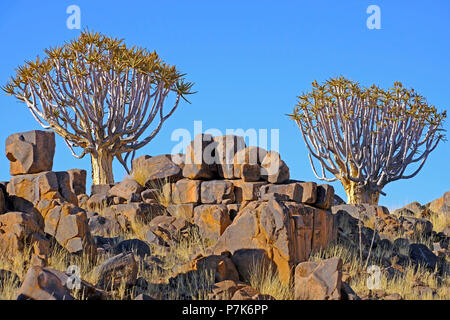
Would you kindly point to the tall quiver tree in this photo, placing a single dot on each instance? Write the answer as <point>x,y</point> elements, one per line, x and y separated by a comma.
<point>366,137</point>
<point>100,96</point>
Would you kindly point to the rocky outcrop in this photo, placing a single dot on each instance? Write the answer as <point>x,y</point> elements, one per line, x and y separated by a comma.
<point>17,229</point>
<point>248,209</point>
<point>440,205</point>
<point>48,198</point>
<point>283,232</point>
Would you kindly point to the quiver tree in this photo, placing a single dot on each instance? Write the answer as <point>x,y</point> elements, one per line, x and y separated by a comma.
<point>100,96</point>
<point>366,137</point>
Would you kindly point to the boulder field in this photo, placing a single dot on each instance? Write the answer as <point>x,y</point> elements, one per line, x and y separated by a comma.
<point>240,200</point>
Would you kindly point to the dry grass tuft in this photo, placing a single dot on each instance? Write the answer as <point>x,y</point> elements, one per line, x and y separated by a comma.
<point>266,281</point>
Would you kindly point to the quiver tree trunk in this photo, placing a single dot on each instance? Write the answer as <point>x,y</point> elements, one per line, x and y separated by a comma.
<point>102,172</point>
<point>358,193</point>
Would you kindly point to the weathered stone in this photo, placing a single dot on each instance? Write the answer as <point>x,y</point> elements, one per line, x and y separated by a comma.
<point>325,196</point>
<point>249,293</point>
<point>309,192</point>
<point>77,181</point>
<point>101,226</point>
<point>26,190</point>
<point>274,196</point>
<point>224,290</point>
<point>150,194</point>
<point>82,201</point>
<point>416,227</point>
<point>249,155</point>
<point>86,290</point>
<point>248,261</point>
<point>338,200</point>
<point>65,187</point>
<point>120,268</point>
<point>40,244</point>
<point>75,244</point>
<point>440,205</point>
<point>107,243</point>
<point>200,171</point>
<point>38,261</point>
<point>420,254</point>
<point>125,189</point>
<point>42,284</point>
<point>246,191</point>
<point>226,149</point>
<point>415,207</point>
<point>361,212</point>
<point>166,230</point>
<point>212,220</point>
<point>69,225</point>
<point>16,229</point>
<point>284,232</point>
<point>135,197</point>
<point>319,280</point>
<point>292,191</point>
<point>151,169</point>
<point>347,293</point>
<point>138,247</point>
<point>200,159</point>
<point>100,188</point>
<point>129,214</point>
<point>185,210</point>
<point>179,159</point>
<point>220,265</point>
<point>166,192</point>
<point>217,191</point>
<point>233,210</point>
<point>153,238</point>
<point>2,202</point>
<point>186,191</point>
<point>201,150</point>
<point>274,170</point>
<point>250,172</point>
<point>30,152</point>
<point>348,228</point>
<point>404,212</point>
<point>99,202</point>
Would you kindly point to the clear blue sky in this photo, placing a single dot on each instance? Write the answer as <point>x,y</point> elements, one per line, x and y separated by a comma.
<point>249,60</point>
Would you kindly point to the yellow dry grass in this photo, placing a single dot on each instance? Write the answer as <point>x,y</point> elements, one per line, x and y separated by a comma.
<point>266,281</point>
